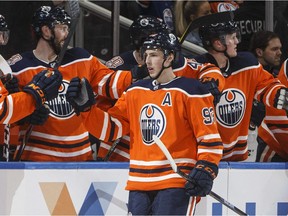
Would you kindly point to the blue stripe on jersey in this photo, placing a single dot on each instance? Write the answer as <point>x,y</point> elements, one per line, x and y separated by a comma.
<point>242,60</point>
<point>189,85</point>
<point>158,170</point>
<point>27,59</point>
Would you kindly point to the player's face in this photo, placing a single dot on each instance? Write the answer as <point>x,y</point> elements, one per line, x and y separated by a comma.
<point>231,43</point>
<point>61,32</point>
<point>272,54</point>
<point>154,60</point>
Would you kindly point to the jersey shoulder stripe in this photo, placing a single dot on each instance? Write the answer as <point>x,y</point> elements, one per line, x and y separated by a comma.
<point>24,61</point>
<point>74,54</point>
<point>188,85</point>
<point>243,60</point>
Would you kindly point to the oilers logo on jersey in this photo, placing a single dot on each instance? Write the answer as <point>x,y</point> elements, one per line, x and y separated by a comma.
<point>152,122</point>
<point>59,107</point>
<point>231,108</point>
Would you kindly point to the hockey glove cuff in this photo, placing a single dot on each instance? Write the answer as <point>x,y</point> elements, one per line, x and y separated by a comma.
<point>12,85</point>
<point>212,86</point>
<point>139,72</point>
<point>201,178</point>
<point>80,95</point>
<point>44,86</point>
<point>39,116</point>
<point>281,99</point>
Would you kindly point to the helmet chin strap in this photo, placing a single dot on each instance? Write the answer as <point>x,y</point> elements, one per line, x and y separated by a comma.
<point>51,42</point>
<point>224,51</point>
<point>162,69</point>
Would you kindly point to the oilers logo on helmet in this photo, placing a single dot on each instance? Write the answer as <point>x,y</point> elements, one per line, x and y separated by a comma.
<point>152,122</point>
<point>231,108</point>
<point>59,107</point>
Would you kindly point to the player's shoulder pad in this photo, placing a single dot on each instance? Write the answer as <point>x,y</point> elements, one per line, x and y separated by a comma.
<point>75,53</point>
<point>244,59</point>
<point>21,61</point>
<point>144,83</point>
<point>191,86</point>
<point>206,58</point>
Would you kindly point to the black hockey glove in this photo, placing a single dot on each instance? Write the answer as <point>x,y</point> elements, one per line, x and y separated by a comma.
<point>258,113</point>
<point>12,85</point>
<point>44,86</point>
<point>39,116</point>
<point>281,99</point>
<point>201,177</point>
<point>139,72</point>
<point>6,78</point>
<point>212,86</point>
<point>80,95</point>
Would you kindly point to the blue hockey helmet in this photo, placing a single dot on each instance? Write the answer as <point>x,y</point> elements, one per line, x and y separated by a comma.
<point>45,15</point>
<point>165,41</point>
<point>144,26</point>
<point>209,33</point>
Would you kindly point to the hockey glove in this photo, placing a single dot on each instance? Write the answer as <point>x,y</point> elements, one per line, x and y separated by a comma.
<point>258,113</point>
<point>12,85</point>
<point>281,99</point>
<point>6,78</point>
<point>139,72</point>
<point>212,86</point>
<point>80,95</point>
<point>39,116</point>
<point>44,86</point>
<point>201,177</point>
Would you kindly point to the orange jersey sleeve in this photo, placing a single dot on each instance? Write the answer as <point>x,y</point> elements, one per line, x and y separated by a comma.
<point>63,137</point>
<point>282,76</point>
<point>15,106</point>
<point>193,69</point>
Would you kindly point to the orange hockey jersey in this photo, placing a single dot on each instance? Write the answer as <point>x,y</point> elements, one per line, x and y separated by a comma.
<point>274,128</point>
<point>15,106</point>
<point>63,137</point>
<point>184,67</point>
<point>245,79</point>
<point>180,113</point>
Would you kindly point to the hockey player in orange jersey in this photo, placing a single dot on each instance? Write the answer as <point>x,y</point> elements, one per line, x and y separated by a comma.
<point>12,106</point>
<point>180,111</point>
<point>245,79</point>
<point>62,136</point>
<point>272,133</point>
<point>140,29</point>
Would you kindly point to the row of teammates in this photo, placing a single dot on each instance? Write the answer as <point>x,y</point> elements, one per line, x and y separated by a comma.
<point>200,108</point>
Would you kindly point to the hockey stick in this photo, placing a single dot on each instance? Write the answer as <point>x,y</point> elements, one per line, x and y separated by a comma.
<point>7,75</point>
<point>74,9</point>
<point>111,150</point>
<point>176,169</point>
<point>207,20</point>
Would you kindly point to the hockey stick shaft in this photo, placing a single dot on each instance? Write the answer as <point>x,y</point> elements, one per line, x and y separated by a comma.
<point>163,148</point>
<point>111,150</point>
<point>6,75</point>
<point>23,143</point>
<point>6,147</point>
<point>74,9</point>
